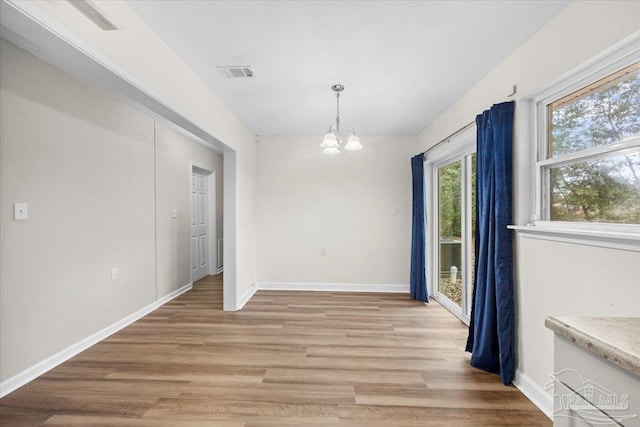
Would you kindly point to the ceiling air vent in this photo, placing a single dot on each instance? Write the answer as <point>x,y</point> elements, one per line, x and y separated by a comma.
<point>87,9</point>
<point>236,72</point>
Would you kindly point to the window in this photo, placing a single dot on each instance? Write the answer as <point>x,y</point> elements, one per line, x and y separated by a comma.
<point>583,159</point>
<point>588,164</point>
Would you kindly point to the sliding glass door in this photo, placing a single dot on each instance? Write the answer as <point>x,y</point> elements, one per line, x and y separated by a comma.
<point>453,232</point>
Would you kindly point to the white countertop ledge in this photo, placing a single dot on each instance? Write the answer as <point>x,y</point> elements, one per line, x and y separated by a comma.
<point>616,339</point>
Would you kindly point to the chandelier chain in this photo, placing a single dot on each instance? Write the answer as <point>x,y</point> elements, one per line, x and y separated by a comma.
<point>337,112</point>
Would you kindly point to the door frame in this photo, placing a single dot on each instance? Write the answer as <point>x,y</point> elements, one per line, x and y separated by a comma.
<point>212,225</point>
<point>456,149</point>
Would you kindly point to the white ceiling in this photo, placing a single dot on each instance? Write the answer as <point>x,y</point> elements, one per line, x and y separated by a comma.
<point>403,62</point>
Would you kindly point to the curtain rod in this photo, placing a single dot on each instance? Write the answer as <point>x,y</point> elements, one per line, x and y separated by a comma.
<point>447,139</point>
<point>467,126</point>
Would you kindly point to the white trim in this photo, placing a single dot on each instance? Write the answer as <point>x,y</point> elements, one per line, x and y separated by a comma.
<point>319,287</point>
<point>333,287</point>
<point>600,238</point>
<point>616,57</point>
<point>628,146</point>
<point>220,270</point>
<point>51,362</point>
<point>165,299</point>
<point>536,394</point>
<point>244,299</point>
<point>452,307</point>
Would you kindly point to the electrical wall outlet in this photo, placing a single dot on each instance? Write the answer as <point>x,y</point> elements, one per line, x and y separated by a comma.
<point>114,273</point>
<point>20,212</point>
<point>323,251</point>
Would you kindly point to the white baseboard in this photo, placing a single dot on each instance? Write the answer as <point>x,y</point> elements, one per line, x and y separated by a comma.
<point>49,363</point>
<point>322,287</point>
<point>247,296</point>
<point>220,270</point>
<point>536,394</point>
<point>332,287</point>
<point>165,299</point>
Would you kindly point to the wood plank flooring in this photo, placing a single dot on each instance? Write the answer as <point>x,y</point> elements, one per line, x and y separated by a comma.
<point>286,359</point>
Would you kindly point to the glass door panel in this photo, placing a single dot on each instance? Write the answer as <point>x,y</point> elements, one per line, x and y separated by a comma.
<point>450,232</point>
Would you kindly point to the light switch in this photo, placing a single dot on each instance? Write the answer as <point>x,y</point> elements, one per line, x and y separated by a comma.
<point>20,211</point>
<point>175,213</point>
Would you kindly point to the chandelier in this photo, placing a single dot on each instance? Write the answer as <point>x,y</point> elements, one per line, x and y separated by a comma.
<point>333,139</point>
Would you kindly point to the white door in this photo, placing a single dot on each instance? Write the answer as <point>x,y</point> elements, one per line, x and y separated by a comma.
<point>199,227</point>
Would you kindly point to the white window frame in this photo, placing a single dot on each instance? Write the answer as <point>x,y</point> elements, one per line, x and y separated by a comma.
<point>619,236</point>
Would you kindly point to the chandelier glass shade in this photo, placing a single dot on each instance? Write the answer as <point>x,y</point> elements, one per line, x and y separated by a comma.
<point>332,141</point>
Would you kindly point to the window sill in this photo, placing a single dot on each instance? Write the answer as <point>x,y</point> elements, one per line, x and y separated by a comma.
<point>602,238</point>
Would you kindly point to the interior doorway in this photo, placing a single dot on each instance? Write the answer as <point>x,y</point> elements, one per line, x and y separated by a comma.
<point>203,239</point>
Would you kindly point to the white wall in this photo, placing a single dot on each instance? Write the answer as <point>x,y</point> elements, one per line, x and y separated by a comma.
<point>344,202</point>
<point>85,164</point>
<point>553,278</point>
<point>137,54</point>
<point>564,279</point>
<point>174,154</point>
<point>246,227</point>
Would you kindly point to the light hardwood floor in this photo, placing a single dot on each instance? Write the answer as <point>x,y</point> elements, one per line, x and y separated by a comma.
<point>288,358</point>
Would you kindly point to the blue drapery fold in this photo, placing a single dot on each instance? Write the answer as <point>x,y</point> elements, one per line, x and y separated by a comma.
<point>418,251</point>
<point>491,331</point>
